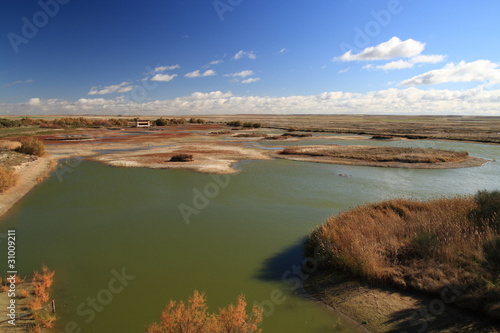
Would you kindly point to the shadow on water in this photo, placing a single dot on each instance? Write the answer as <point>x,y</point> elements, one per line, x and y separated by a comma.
<point>275,267</point>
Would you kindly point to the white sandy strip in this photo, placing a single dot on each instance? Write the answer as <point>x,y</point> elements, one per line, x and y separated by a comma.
<point>28,178</point>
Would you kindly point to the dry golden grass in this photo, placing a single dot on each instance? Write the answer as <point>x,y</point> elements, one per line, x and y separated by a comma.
<point>194,317</point>
<point>380,154</point>
<point>8,178</point>
<point>422,246</point>
<point>9,145</point>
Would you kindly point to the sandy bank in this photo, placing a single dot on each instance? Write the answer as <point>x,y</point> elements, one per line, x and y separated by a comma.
<point>382,309</point>
<point>29,174</point>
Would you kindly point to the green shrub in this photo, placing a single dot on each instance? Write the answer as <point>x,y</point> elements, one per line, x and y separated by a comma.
<point>4,122</point>
<point>424,245</point>
<point>487,212</point>
<point>182,158</point>
<point>161,122</point>
<point>235,123</point>
<point>31,146</point>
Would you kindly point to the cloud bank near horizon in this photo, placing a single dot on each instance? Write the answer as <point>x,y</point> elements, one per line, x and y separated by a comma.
<point>476,101</point>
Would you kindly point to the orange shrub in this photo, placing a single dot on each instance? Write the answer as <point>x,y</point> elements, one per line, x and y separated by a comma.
<point>194,317</point>
<point>7,179</point>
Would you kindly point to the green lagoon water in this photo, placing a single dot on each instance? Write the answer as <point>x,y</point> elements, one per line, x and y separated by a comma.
<point>99,219</point>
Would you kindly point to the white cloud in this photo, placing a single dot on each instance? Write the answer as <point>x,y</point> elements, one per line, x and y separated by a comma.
<point>16,82</point>
<point>345,70</point>
<point>241,74</point>
<point>283,50</point>
<point>477,101</point>
<point>107,90</point>
<point>251,80</point>
<point>393,48</point>
<point>243,54</point>
<point>410,63</point>
<point>165,68</point>
<point>428,59</point>
<point>211,95</point>
<point>34,101</point>
<point>479,70</point>
<point>215,62</point>
<point>163,77</point>
<point>125,89</point>
<point>197,73</point>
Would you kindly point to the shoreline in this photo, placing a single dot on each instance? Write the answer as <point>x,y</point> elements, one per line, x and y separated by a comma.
<point>29,177</point>
<point>379,308</point>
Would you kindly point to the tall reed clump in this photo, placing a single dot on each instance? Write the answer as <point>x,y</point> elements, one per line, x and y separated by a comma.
<point>42,281</point>
<point>8,178</point>
<point>194,317</point>
<point>31,146</point>
<point>422,246</point>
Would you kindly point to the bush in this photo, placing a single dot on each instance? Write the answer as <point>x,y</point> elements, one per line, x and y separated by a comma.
<point>31,146</point>
<point>492,253</point>
<point>235,123</point>
<point>182,158</point>
<point>161,122</point>
<point>487,212</point>
<point>4,122</point>
<point>194,317</point>
<point>42,281</point>
<point>7,179</point>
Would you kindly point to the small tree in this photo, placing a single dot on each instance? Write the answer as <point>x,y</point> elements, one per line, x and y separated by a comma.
<point>194,317</point>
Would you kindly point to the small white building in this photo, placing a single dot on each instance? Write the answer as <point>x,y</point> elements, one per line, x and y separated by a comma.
<point>142,123</point>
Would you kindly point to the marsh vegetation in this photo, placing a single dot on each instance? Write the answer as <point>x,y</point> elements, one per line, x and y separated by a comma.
<point>421,246</point>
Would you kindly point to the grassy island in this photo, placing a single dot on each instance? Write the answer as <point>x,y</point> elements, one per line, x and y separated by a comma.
<point>434,247</point>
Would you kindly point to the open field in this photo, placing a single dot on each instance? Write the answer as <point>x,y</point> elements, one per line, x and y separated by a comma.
<point>462,128</point>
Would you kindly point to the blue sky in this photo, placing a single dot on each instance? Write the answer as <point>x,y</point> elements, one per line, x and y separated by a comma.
<point>223,56</point>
